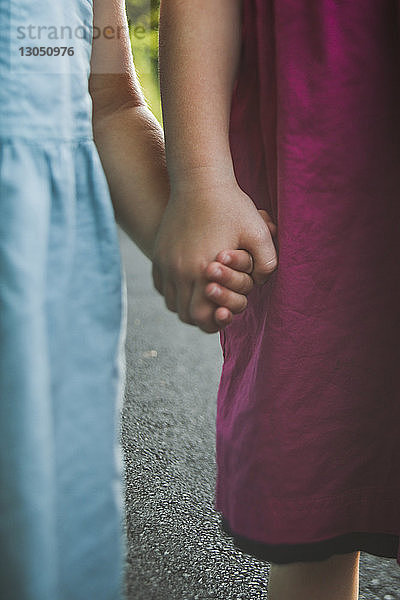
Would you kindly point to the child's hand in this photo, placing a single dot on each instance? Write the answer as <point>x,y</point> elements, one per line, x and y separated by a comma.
<point>201,219</point>
<point>231,281</point>
<point>229,284</point>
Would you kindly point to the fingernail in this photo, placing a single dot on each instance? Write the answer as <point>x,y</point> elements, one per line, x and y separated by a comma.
<point>216,272</point>
<point>214,291</point>
<point>226,259</point>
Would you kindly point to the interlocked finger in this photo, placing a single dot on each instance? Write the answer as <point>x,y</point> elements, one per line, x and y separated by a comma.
<point>239,282</point>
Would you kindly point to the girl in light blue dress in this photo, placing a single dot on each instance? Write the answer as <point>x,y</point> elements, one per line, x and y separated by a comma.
<point>62,298</point>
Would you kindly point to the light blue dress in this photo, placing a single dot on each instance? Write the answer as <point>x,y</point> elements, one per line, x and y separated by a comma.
<point>62,319</point>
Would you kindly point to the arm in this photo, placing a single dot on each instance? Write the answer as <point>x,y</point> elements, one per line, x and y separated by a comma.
<point>207,210</point>
<point>199,53</point>
<point>129,138</point>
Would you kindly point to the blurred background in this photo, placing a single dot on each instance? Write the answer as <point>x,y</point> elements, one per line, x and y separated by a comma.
<point>143,17</point>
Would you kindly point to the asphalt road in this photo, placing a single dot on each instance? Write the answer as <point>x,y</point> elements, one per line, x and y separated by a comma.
<point>176,550</point>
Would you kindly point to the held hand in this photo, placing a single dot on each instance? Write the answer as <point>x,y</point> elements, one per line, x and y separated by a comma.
<point>231,279</point>
<point>197,222</point>
<point>229,284</point>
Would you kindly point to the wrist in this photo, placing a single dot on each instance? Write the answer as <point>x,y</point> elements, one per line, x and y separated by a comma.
<point>202,177</point>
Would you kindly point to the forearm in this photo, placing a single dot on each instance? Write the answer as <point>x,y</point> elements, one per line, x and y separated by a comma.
<point>131,148</point>
<point>199,53</point>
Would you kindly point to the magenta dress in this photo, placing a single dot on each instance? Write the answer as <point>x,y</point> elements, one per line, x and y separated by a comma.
<point>308,419</point>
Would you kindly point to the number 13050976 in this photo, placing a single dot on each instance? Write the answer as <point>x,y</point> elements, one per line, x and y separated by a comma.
<point>47,51</point>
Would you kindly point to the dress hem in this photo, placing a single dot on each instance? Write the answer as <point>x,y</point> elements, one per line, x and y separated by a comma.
<point>383,545</point>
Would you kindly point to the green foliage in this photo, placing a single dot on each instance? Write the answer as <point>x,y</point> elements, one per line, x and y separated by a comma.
<point>143,18</point>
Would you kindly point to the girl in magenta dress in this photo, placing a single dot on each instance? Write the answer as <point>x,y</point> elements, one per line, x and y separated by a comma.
<point>308,418</point>
<point>294,106</point>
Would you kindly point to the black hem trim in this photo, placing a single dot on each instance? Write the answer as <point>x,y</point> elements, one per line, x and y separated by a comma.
<point>385,545</point>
